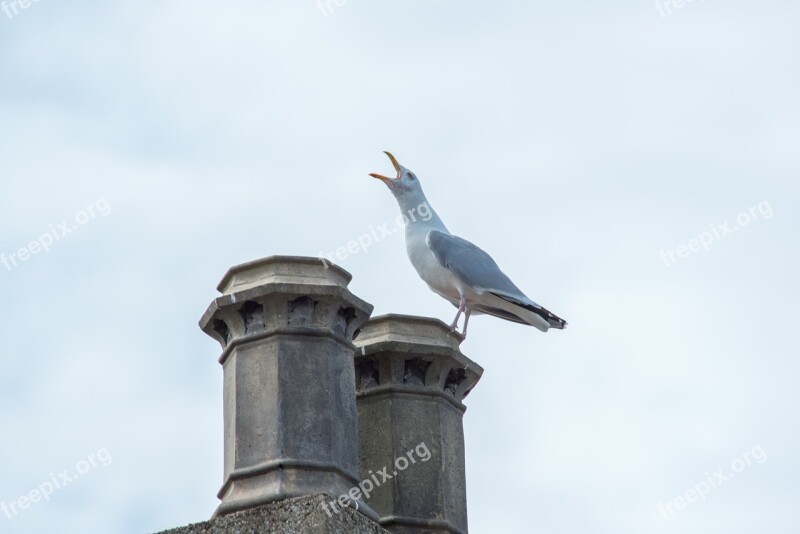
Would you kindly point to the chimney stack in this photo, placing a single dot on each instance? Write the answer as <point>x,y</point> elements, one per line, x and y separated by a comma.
<point>411,379</point>
<point>286,326</point>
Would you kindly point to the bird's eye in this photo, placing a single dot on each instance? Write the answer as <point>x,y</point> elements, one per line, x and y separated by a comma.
<point>412,177</point>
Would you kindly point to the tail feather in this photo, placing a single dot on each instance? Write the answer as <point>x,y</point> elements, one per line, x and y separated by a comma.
<point>553,320</point>
<point>497,312</point>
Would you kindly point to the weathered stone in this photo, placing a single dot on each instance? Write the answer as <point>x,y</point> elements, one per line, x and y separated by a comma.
<point>411,379</point>
<point>301,515</point>
<point>286,326</point>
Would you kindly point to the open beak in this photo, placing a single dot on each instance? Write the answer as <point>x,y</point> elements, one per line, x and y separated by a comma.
<point>396,167</point>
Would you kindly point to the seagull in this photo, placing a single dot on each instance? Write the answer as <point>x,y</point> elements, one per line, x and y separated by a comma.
<point>454,268</point>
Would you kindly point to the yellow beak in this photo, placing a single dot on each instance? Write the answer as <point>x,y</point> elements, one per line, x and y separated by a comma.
<point>396,168</point>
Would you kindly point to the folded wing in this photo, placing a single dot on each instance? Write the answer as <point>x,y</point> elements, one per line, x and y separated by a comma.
<point>477,270</point>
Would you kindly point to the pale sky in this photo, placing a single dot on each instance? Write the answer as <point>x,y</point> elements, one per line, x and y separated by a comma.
<point>580,143</point>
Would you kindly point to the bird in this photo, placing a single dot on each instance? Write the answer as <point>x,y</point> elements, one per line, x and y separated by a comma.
<point>456,269</point>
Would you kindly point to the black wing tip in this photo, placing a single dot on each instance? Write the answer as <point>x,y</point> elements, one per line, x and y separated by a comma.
<point>553,320</point>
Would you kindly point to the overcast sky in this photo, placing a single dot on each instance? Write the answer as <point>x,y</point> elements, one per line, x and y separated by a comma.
<point>632,168</point>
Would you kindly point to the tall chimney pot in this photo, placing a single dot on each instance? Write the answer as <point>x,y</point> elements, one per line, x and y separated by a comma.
<point>286,327</point>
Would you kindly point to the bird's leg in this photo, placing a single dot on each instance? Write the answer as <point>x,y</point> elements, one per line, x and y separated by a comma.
<point>461,307</point>
<point>467,312</point>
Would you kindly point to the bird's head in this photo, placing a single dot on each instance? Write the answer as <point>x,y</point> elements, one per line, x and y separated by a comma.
<point>404,184</point>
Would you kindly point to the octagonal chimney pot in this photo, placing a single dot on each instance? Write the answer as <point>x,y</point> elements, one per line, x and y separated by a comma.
<point>286,327</point>
<point>411,379</point>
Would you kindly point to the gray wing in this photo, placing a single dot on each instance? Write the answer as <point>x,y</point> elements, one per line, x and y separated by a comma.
<point>472,265</point>
<point>478,270</point>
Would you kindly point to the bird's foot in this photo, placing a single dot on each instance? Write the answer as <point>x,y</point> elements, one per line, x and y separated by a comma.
<point>458,335</point>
